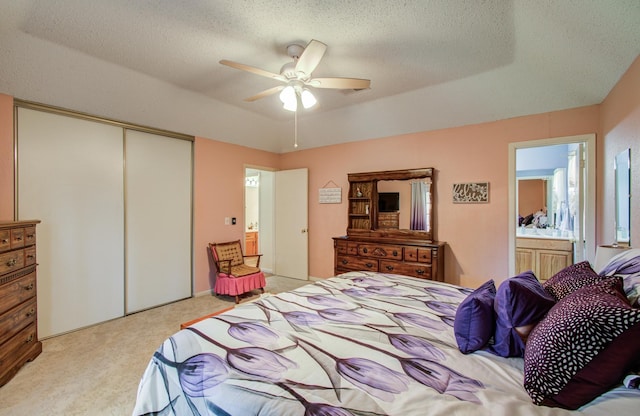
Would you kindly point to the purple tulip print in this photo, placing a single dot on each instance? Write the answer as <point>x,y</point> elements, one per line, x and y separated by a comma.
<point>200,373</point>
<point>253,333</point>
<point>443,308</point>
<point>376,379</point>
<point>422,321</point>
<point>363,343</point>
<point>255,361</point>
<point>328,301</point>
<point>259,362</point>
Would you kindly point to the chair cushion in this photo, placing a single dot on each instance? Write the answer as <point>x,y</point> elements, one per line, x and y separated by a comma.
<point>229,251</point>
<point>243,270</point>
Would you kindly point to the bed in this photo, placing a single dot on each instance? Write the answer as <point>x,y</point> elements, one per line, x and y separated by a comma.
<point>361,343</point>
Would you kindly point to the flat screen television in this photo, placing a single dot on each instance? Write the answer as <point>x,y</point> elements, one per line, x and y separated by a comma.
<point>388,201</point>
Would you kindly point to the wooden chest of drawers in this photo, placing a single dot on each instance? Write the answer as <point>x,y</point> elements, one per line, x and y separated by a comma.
<point>409,258</point>
<point>18,305</point>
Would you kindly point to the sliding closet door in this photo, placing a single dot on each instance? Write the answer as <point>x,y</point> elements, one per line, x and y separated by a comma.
<point>70,177</point>
<point>158,220</point>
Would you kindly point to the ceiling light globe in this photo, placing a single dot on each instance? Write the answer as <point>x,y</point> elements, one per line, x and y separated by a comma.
<point>288,95</point>
<point>308,100</point>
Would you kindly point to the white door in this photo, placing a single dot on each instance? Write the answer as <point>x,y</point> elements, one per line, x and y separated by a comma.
<point>291,222</point>
<point>158,220</point>
<point>576,199</point>
<point>70,178</point>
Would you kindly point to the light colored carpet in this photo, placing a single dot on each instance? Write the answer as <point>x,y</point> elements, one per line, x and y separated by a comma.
<point>96,370</point>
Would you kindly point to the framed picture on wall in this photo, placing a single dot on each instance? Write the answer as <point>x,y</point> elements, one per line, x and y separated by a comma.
<point>471,193</point>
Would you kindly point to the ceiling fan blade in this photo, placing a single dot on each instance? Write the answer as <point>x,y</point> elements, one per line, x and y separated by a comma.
<point>253,70</point>
<point>341,83</point>
<point>265,93</point>
<point>311,57</point>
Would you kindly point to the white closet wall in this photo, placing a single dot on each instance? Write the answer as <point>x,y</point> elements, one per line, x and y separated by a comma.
<point>158,219</point>
<point>115,206</point>
<point>70,177</point>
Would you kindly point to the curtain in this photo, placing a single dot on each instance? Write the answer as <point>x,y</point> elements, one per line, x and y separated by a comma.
<point>420,206</point>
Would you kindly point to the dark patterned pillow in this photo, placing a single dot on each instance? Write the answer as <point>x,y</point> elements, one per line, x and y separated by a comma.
<point>571,279</point>
<point>474,323</point>
<point>583,347</point>
<point>521,302</point>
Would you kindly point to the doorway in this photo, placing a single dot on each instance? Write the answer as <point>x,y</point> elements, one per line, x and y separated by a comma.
<point>579,174</point>
<point>258,215</point>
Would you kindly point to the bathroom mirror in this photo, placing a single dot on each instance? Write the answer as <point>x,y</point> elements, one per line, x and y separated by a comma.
<point>622,167</point>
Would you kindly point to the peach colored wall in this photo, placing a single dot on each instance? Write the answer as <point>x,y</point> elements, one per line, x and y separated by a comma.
<point>6,158</point>
<point>620,124</point>
<point>219,193</point>
<point>477,234</point>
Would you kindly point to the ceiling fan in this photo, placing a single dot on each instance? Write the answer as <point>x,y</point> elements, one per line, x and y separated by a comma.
<point>297,77</point>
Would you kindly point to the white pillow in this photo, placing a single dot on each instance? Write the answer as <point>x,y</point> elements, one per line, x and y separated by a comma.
<point>627,266</point>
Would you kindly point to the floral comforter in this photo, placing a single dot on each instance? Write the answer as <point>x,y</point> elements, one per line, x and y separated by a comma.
<point>358,344</point>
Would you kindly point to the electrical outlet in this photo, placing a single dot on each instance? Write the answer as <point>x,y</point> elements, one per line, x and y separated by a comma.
<point>233,220</point>
<point>227,220</point>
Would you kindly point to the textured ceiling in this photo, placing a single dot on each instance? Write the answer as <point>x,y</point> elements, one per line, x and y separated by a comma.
<point>432,64</point>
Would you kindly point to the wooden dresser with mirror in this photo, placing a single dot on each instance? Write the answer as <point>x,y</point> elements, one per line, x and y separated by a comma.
<point>381,235</point>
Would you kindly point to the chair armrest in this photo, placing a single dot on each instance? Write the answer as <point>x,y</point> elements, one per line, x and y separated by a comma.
<point>224,266</point>
<point>253,256</point>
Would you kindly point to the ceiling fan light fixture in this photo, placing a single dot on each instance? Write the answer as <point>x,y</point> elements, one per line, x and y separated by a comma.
<point>308,100</point>
<point>291,106</point>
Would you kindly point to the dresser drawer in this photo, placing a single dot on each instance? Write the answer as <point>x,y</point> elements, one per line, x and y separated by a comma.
<point>29,236</point>
<point>17,350</point>
<point>17,238</point>
<point>422,255</point>
<point>356,263</point>
<point>17,318</point>
<point>11,260</point>
<point>380,251</point>
<point>5,240</point>
<point>420,270</point>
<point>30,256</point>
<point>341,247</point>
<point>17,291</point>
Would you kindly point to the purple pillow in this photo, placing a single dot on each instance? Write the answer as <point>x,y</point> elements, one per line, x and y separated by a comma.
<point>521,302</point>
<point>583,347</point>
<point>474,323</point>
<point>570,279</point>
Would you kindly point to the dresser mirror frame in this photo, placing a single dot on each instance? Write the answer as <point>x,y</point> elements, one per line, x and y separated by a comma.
<point>394,175</point>
<point>622,168</point>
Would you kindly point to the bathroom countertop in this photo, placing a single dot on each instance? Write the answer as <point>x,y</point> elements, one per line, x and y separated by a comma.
<point>543,234</point>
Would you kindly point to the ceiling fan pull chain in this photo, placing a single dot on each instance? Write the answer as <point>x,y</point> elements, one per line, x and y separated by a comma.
<point>295,129</point>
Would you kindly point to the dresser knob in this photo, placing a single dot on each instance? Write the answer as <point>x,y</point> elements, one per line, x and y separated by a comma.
<point>11,262</point>
<point>420,271</point>
<point>364,250</point>
<point>369,265</point>
<point>5,241</point>
<point>390,268</point>
<point>395,253</point>
<point>29,339</point>
<point>29,286</point>
<point>344,262</point>
<point>31,312</point>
